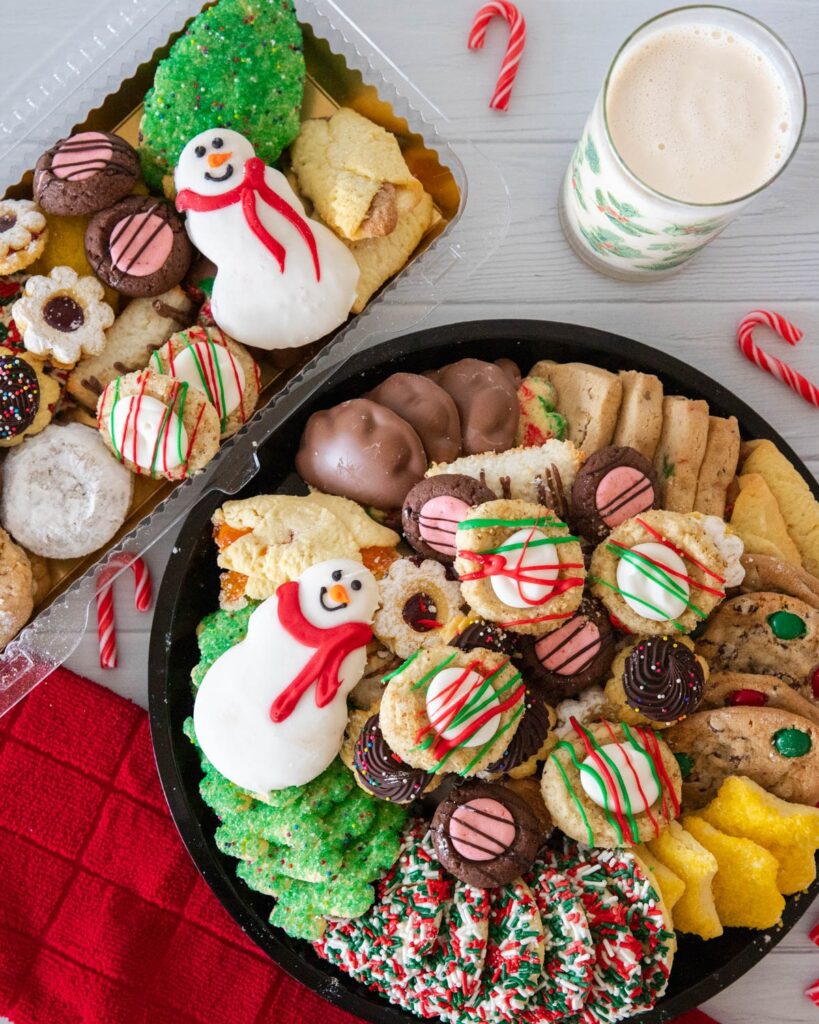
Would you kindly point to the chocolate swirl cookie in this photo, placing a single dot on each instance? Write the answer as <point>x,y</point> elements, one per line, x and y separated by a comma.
<point>529,738</point>
<point>381,771</point>
<point>663,679</point>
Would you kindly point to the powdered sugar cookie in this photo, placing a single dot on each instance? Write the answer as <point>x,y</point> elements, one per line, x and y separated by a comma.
<point>157,425</point>
<point>64,496</point>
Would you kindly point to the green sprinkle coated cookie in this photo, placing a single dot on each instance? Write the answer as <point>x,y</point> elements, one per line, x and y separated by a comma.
<point>240,65</point>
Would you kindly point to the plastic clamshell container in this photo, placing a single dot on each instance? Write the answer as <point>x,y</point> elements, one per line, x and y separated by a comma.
<point>104,68</point>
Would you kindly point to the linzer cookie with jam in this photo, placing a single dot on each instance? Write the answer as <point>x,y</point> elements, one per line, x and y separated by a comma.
<point>139,246</point>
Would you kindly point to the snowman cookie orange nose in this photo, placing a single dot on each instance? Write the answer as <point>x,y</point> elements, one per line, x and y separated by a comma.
<point>217,159</point>
<point>338,594</point>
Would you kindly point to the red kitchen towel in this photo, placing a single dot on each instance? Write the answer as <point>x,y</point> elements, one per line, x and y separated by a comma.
<point>103,917</point>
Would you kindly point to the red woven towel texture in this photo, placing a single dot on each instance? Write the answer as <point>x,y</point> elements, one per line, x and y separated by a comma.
<point>103,917</point>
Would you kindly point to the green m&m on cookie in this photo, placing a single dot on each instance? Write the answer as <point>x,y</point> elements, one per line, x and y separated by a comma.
<point>786,625</point>
<point>792,742</point>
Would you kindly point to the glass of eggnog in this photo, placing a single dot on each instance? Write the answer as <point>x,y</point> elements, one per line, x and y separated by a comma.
<point>702,108</point>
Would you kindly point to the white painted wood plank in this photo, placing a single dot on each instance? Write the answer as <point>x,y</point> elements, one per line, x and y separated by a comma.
<point>769,257</point>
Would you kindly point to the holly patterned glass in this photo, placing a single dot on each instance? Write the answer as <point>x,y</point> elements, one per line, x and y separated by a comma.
<point>623,227</point>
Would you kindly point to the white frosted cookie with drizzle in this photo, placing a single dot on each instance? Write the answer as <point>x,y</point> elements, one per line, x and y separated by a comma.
<point>207,359</point>
<point>158,426</point>
<point>659,572</point>
<point>519,566</point>
<point>611,785</point>
<point>446,710</point>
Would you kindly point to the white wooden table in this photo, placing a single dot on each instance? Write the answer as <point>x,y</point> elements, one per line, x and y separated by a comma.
<point>769,257</point>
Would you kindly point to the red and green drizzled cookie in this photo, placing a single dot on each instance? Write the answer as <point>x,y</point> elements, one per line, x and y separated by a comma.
<point>612,785</point>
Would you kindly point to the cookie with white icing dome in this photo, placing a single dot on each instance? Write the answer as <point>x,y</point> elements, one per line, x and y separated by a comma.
<point>158,426</point>
<point>446,710</point>
<point>612,785</point>
<point>519,566</point>
<point>659,572</point>
<point>207,359</point>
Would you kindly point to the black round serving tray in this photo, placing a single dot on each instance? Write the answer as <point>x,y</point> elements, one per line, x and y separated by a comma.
<point>189,590</point>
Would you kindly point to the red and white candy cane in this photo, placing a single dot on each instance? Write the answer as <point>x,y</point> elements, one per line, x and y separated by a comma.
<point>514,50</point>
<point>106,628</point>
<point>788,332</point>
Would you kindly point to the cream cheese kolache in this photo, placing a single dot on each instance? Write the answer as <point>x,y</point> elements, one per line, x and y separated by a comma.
<point>282,279</point>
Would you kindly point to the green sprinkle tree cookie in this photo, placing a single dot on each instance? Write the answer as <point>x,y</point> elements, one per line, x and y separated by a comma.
<point>240,65</point>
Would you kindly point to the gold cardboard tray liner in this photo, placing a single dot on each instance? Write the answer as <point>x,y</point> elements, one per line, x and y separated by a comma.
<point>330,84</point>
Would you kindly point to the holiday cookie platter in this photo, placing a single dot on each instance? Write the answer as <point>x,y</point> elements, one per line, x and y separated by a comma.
<point>513,714</point>
<point>129,361</point>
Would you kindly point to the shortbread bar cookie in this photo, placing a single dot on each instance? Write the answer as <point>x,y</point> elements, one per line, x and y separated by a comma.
<point>143,326</point>
<point>640,421</point>
<point>798,505</point>
<point>528,474</point>
<point>680,451</point>
<point>588,397</point>
<point>355,175</point>
<point>718,467</point>
<point>379,258</point>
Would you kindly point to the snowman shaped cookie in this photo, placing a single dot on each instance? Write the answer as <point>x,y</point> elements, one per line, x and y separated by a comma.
<point>271,711</point>
<point>283,280</point>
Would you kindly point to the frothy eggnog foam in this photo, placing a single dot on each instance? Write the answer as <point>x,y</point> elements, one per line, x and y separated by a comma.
<point>699,114</point>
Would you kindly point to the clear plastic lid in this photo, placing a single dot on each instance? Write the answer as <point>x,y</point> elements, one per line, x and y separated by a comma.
<point>105,49</point>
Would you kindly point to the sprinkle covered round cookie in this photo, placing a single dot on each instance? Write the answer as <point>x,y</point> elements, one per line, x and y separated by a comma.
<point>28,396</point>
<point>569,958</point>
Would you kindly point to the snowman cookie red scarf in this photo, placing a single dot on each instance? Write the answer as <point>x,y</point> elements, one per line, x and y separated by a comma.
<point>324,668</point>
<point>245,192</point>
